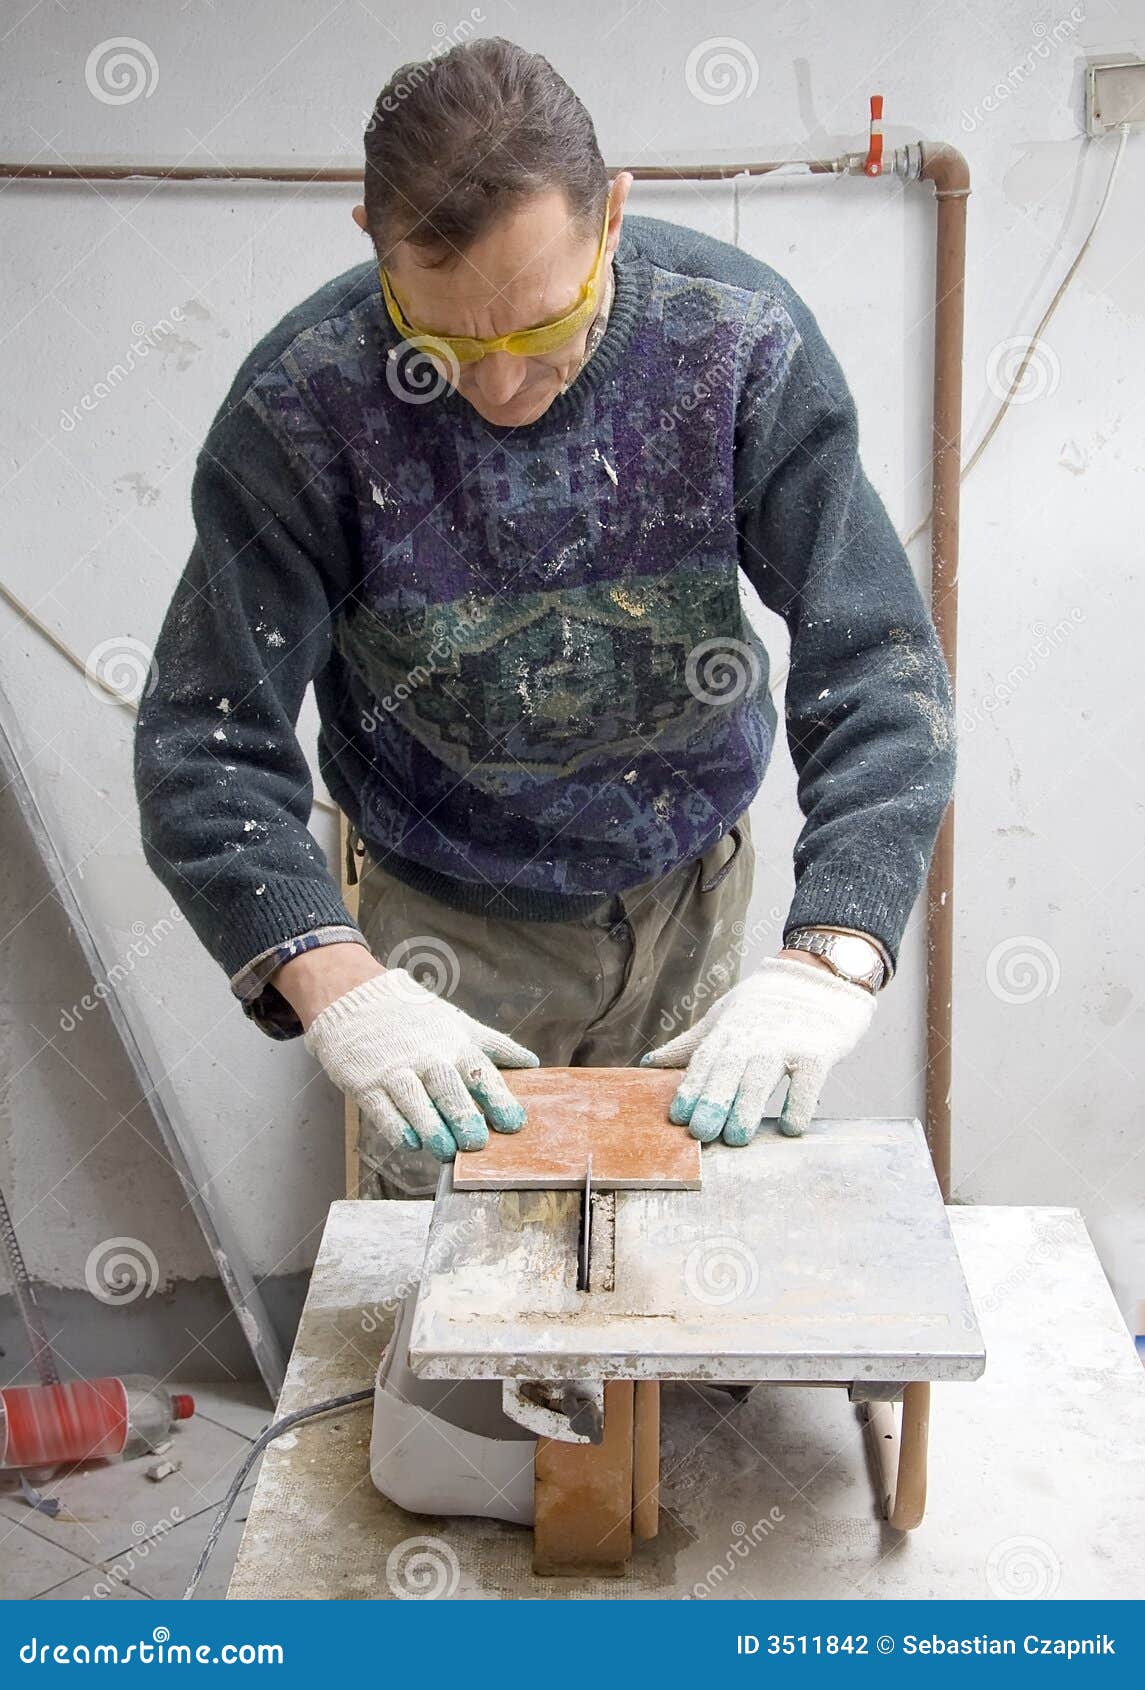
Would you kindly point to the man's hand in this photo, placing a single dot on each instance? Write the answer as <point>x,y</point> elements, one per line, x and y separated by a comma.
<point>420,1068</point>
<point>795,1018</point>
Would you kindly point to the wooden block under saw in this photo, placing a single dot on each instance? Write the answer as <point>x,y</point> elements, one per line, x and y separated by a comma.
<point>619,1115</point>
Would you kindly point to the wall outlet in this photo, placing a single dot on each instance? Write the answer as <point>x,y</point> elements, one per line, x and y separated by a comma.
<point>1114,94</point>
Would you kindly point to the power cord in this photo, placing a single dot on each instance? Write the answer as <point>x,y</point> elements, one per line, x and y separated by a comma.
<point>1059,295</point>
<point>28,615</point>
<point>275,1430</point>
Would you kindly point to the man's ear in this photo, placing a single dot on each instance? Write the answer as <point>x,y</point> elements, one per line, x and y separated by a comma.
<point>618,194</point>
<point>359,216</point>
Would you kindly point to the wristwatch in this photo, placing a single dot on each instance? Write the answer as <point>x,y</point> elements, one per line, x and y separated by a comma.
<point>848,955</point>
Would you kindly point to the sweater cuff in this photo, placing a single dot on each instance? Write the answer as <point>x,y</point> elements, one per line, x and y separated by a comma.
<point>841,894</point>
<point>264,1003</point>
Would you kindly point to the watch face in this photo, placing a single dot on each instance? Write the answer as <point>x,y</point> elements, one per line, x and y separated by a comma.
<point>854,956</point>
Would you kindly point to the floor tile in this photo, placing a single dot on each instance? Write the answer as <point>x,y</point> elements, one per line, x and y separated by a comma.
<point>95,1585</point>
<point>164,1570</point>
<point>29,1565</point>
<point>241,1405</point>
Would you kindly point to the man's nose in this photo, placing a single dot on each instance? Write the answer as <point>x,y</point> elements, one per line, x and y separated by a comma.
<point>498,376</point>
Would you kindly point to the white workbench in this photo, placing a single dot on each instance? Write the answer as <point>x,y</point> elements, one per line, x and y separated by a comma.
<point>1037,1470</point>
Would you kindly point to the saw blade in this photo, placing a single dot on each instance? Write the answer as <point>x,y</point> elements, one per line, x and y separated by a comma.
<point>584,1247</point>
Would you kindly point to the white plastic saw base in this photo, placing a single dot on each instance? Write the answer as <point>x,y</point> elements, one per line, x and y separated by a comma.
<point>443,1448</point>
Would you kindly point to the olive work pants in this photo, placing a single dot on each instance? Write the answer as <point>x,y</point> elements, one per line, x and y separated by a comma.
<point>595,992</point>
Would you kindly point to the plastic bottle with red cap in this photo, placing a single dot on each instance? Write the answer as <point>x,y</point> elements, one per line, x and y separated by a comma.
<point>87,1419</point>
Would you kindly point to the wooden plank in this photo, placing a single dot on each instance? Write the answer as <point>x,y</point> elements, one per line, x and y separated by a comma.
<point>618,1116</point>
<point>646,1458</point>
<point>583,1496</point>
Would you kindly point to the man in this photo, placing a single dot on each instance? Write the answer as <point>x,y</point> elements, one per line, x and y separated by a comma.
<point>492,492</point>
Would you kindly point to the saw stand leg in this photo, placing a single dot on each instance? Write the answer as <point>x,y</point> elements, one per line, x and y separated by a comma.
<point>898,1442</point>
<point>591,1500</point>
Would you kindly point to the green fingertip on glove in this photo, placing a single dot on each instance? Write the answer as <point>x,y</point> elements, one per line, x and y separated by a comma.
<point>503,1117</point>
<point>704,1119</point>
<point>680,1108</point>
<point>440,1145</point>
<point>707,1120</point>
<point>470,1132</point>
<point>738,1132</point>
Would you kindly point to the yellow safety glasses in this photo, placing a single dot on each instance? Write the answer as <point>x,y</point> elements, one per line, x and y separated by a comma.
<point>525,343</point>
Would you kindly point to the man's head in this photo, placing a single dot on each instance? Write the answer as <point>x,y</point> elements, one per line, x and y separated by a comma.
<point>486,197</point>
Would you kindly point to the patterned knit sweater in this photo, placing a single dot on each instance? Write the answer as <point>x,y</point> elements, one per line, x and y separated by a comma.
<point>535,680</point>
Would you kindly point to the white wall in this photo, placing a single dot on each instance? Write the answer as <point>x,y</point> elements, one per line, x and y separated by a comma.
<point>97,528</point>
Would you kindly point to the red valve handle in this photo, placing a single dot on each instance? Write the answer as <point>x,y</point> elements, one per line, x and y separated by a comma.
<point>874,164</point>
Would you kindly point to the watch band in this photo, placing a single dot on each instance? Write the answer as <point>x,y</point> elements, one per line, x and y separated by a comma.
<point>833,947</point>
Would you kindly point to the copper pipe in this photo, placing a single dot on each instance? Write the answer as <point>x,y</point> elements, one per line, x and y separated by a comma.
<point>344,175</point>
<point>930,161</point>
<point>177,173</point>
<point>948,170</point>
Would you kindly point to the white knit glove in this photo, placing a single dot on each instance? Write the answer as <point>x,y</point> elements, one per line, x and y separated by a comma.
<point>789,1018</point>
<point>417,1066</point>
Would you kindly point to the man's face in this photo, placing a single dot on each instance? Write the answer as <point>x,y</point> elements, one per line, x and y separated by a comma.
<point>529,269</point>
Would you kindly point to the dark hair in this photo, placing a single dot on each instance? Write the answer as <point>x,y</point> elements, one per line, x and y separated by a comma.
<point>457,140</point>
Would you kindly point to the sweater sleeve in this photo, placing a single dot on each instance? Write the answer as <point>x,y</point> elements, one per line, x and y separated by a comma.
<point>223,786</point>
<point>869,712</point>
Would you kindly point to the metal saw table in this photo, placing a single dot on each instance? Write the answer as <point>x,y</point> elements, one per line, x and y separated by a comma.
<point>824,1260</point>
<point>1037,1481</point>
